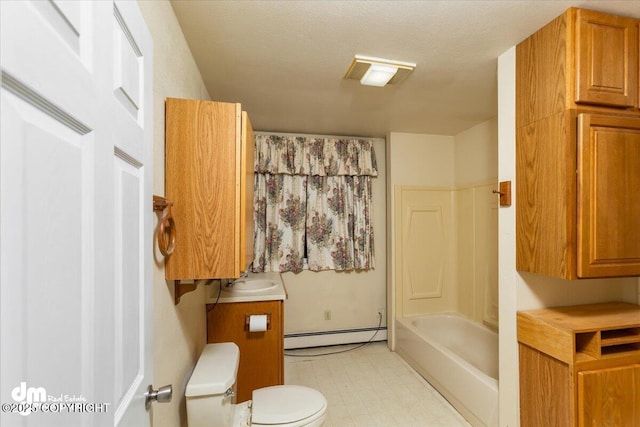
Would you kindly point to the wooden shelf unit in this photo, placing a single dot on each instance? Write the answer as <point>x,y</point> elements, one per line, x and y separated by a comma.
<point>575,361</point>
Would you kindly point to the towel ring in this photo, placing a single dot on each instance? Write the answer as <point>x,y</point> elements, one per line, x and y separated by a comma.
<point>167,227</point>
<point>167,234</point>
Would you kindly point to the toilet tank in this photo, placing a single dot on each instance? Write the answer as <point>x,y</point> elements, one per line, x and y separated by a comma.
<point>208,401</point>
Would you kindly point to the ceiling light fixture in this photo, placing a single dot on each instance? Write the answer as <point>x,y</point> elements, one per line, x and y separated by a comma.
<point>377,71</point>
<point>378,75</point>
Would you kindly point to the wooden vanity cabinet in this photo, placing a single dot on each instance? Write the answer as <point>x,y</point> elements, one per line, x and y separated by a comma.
<point>209,157</point>
<point>578,148</point>
<point>261,353</point>
<point>580,366</point>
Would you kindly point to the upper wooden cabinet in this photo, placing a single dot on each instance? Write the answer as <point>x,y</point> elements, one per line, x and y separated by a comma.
<point>209,177</point>
<point>580,59</point>
<point>606,50</point>
<point>578,148</point>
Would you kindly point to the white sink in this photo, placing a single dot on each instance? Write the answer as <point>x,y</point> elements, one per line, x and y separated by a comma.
<point>251,285</point>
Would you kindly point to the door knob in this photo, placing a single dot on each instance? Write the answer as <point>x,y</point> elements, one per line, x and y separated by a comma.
<point>161,395</point>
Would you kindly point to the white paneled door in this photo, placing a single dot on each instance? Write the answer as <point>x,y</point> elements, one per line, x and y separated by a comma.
<point>75,213</point>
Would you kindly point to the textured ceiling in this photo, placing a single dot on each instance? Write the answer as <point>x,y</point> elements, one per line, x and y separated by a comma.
<point>285,60</point>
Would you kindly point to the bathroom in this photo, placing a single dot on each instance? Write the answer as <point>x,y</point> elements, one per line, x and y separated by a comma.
<point>457,174</point>
<point>462,171</point>
<point>461,166</point>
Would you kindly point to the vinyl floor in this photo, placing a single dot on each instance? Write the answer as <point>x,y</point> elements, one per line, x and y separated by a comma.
<point>368,387</point>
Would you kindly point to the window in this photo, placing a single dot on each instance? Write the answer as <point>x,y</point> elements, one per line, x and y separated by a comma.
<point>313,196</point>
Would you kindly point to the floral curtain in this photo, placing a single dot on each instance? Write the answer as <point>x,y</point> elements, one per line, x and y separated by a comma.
<point>313,193</point>
<point>279,215</point>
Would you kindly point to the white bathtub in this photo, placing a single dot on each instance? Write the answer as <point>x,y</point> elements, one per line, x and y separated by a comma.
<point>458,357</point>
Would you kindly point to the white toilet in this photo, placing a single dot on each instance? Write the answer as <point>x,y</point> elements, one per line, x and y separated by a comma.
<point>211,397</point>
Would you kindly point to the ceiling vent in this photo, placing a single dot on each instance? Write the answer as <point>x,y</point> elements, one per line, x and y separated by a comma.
<point>377,71</point>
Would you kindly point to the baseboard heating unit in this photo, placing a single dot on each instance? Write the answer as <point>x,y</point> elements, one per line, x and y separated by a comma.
<point>325,338</point>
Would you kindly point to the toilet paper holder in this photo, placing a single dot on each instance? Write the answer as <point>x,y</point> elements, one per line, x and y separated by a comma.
<point>247,319</point>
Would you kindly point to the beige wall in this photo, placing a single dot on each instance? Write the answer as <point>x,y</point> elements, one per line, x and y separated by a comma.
<point>476,154</point>
<point>521,291</point>
<point>179,332</point>
<point>417,159</point>
<point>353,298</point>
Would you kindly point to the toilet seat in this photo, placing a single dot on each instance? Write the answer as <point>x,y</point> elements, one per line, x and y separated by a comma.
<point>287,406</point>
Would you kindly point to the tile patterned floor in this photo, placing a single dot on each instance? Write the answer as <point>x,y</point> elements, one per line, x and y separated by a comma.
<point>369,387</point>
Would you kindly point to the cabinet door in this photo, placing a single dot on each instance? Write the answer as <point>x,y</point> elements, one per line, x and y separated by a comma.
<point>608,196</point>
<point>606,59</point>
<point>261,353</point>
<point>609,397</point>
<point>202,180</point>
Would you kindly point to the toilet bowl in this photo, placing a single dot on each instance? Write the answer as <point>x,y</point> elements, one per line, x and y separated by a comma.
<point>210,397</point>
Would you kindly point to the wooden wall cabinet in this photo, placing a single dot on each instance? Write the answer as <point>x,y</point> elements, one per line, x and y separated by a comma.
<point>606,64</point>
<point>578,148</point>
<point>580,366</point>
<point>261,353</point>
<point>209,157</point>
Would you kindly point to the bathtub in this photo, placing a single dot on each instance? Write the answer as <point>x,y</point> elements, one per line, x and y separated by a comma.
<point>456,356</point>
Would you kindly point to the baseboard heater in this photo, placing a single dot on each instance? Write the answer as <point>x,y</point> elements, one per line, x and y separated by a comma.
<point>325,338</point>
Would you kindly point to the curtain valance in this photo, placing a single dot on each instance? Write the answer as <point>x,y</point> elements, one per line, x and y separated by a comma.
<point>295,155</point>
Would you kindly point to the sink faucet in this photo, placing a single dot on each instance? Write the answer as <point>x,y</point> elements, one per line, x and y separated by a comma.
<point>246,272</point>
<point>243,275</point>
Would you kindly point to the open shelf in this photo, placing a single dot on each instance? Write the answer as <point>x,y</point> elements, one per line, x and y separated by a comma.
<point>583,333</point>
<point>620,337</point>
<point>613,342</point>
<point>588,344</point>
<point>618,350</point>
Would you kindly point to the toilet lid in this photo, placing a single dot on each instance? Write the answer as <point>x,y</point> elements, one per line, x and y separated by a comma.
<point>285,404</point>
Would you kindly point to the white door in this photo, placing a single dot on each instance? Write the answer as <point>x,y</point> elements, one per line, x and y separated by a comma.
<point>75,213</point>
